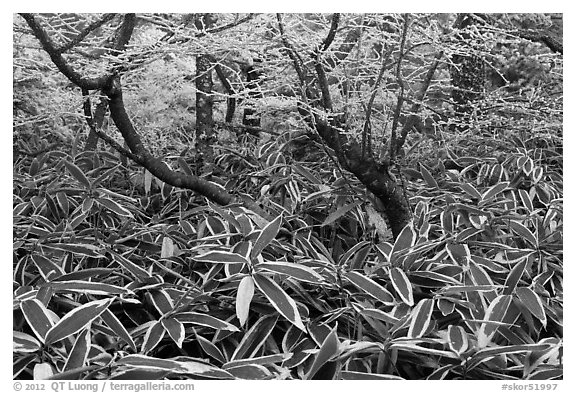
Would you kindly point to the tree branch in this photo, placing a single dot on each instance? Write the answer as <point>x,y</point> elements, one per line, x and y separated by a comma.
<point>412,118</point>
<point>367,131</point>
<point>58,59</point>
<point>331,33</point>
<point>84,33</point>
<point>400,102</point>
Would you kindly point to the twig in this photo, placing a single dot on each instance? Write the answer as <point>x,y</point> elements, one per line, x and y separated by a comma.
<point>84,33</point>
<point>367,131</point>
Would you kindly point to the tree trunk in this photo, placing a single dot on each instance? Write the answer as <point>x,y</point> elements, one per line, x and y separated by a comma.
<point>251,116</point>
<point>205,137</point>
<point>467,73</point>
<point>204,111</point>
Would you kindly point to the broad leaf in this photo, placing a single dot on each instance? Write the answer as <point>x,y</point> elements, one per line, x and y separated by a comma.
<point>340,212</point>
<point>77,173</point>
<point>221,257</point>
<point>279,300</point>
<point>24,343</point>
<point>296,271</point>
<point>175,330</point>
<point>495,313</point>
<point>79,353</point>
<point>266,236</point>
<point>37,316</point>
<point>402,285</point>
<point>76,320</point>
<point>370,287</point>
<point>421,317</point>
<point>532,302</point>
<point>457,339</point>
<point>205,320</point>
<point>154,334</point>
<point>243,298</point>
<point>114,323</point>
<point>328,349</point>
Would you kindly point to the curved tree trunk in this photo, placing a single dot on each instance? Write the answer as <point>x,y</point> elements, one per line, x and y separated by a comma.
<point>373,175</point>
<point>121,39</point>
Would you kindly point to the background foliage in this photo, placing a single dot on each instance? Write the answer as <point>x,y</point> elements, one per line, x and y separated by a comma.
<point>120,275</point>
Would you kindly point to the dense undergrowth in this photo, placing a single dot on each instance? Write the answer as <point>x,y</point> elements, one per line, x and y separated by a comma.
<point>119,276</point>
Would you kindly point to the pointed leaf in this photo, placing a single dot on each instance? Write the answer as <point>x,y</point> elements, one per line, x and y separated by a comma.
<point>161,301</point>
<point>297,271</point>
<point>459,253</point>
<point>524,232</point>
<point>48,269</point>
<point>370,287</point>
<point>76,320</point>
<point>88,287</point>
<point>210,349</point>
<point>526,200</point>
<point>405,240</point>
<point>114,207</point>
<point>261,360</point>
<point>24,343</point>
<point>205,320</point>
<point>493,191</point>
<point>136,271</point>
<point>402,285</point>
<point>328,349</point>
<point>221,257</point>
<point>266,236</point>
<point>428,178</point>
<point>175,330</point>
<point>421,315</point>
<point>470,190</point>
<point>243,298</point>
<point>357,375</point>
<point>153,336</point>
<point>255,338</point>
<point>532,302</point>
<point>79,353</point>
<point>332,217</point>
<point>143,361</point>
<point>495,313</point>
<point>514,276</point>
<point>114,323</point>
<point>77,173</point>
<point>280,300</point>
<point>457,339</point>
<point>37,316</point>
<point>250,372</point>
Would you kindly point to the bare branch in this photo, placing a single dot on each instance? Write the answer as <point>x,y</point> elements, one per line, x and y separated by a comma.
<point>58,59</point>
<point>367,131</point>
<point>84,33</point>
<point>331,33</point>
<point>400,102</point>
<point>413,119</point>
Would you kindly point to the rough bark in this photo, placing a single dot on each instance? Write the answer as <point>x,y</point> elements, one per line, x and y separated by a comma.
<point>467,73</point>
<point>231,100</point>
<point>121,39</point>
<point>205,137</point>
<point>374,175</point>
<point>251,118</point>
